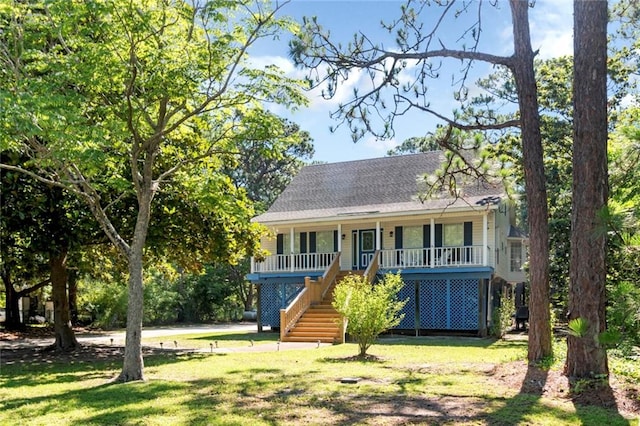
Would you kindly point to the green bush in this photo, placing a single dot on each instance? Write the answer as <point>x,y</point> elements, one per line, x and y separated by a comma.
<point>623,312</point>
<point>502,317</point>
<point>369,309</point>
<point>104,302</point>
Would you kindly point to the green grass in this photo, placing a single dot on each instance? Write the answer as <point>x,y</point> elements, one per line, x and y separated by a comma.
<point>422,380</point>
<point>221,340</point>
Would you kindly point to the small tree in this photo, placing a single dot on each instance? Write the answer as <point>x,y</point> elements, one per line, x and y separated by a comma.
<point>369,309</point>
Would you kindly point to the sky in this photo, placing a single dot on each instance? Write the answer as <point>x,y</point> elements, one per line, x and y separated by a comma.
<point>551,33</point>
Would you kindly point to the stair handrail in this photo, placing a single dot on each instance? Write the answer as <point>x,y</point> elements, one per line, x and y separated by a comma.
<point>372,268</point>
<point>329,276</point>
<point>292,313</point>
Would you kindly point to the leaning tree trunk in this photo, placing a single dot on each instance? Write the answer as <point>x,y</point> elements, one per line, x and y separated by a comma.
<point>65,337</point>
<point>585,355</point>
<point>539,329</point>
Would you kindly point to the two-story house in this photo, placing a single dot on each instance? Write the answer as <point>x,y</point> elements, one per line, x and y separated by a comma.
<point>365,217</point>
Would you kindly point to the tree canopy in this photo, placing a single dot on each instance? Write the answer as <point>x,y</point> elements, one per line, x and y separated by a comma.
<point>142,98</point>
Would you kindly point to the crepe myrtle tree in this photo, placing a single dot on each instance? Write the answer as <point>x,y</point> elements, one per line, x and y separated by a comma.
<point>369,309</point>
<point>164,88</point>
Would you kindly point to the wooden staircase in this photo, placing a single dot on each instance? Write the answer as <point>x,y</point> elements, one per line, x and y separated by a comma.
<point>320,322</point>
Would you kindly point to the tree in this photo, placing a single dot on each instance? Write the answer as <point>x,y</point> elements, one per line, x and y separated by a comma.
<point>623,239</point>
<point>586,356</point>
<point>162,87</point>
<point>368,309</point>
<point>264,168</point>
<point>421,46</point>
<point>40,225</point>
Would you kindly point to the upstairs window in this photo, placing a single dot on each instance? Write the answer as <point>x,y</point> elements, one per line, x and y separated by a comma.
<point>516,256</point>
<point>453,235</point>
<point>412,237</point>
<point>324,242</point>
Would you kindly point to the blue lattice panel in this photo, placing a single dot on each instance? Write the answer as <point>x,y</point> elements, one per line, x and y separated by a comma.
<point>463,304</point>
<point>408,293</point>
<point>273,297</point>
<point>290,291</point>
<point>270,304</point>
<point>433,299</point>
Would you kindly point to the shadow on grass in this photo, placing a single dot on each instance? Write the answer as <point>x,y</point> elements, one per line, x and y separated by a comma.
<point>590,395</point>
<point>528,405</point>
<point>28,367</point>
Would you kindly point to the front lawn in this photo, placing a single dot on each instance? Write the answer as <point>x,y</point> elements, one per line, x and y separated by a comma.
<point>405,380</point>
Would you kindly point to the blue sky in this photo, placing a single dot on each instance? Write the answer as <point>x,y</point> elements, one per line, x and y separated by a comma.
<point>551,32</point>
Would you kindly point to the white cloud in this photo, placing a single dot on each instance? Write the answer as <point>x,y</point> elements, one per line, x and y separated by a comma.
<point>378,148</point>
<point>285,64</point>
<point>551,25</point>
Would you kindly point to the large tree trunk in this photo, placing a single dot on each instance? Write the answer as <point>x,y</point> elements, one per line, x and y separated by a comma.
<point>12,320</point>
<point>585,355</point>
<point>539,328</point>
<point>65,338</point>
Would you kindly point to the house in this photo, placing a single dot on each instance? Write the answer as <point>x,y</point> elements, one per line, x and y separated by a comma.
<point>365,217</point>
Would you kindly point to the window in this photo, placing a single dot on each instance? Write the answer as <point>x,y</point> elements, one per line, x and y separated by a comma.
<point>286,243</point>
<point>368,242</point>
<point>412,237</point>
<point>324,242</point>
<point>516,256</point>
<point>453,235</point>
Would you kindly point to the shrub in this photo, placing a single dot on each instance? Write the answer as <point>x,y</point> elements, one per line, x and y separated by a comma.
<point>369,309</point>
<point>502,317</point>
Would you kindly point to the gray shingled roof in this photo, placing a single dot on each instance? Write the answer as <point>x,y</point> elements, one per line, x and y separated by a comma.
<point>375,186</point>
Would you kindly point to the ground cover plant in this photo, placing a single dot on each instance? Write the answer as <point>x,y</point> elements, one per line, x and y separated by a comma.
<point>451,380</point>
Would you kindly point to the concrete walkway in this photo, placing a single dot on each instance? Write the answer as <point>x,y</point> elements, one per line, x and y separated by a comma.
<point>117,338</point>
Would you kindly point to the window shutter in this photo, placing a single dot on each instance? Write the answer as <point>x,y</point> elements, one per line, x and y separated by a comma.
<point>335,240</point>
<point>312,242</point>
<point>438,235</point>
<point>398,233</point>
<point>426,235</point>
<point>303,242</point>
<point>280,244</point>
<point>426,243</point>
<point>468,233</point>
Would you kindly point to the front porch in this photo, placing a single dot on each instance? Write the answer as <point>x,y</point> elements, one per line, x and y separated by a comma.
<point>446,288</point>
<point>392,259</point>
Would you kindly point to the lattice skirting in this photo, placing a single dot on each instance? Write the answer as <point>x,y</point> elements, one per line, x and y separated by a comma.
<point>276,296</point>
<point>443,304</point>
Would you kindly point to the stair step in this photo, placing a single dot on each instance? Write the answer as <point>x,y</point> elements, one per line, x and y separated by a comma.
<point>314,332</point>
<point>317,325</point>
<point>307,339</point>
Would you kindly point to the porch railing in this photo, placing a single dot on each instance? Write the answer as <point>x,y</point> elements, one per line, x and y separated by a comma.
<point>373,267</point>
<point>294,262</point>
<point>313,292</point>
<point>433,257</point>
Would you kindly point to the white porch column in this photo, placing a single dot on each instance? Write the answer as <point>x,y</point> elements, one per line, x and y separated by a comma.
<point>292,247</point>
<point>378,235</point>
<point>485,239</point>
<point>432,243</point>
<point>339,238</point>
